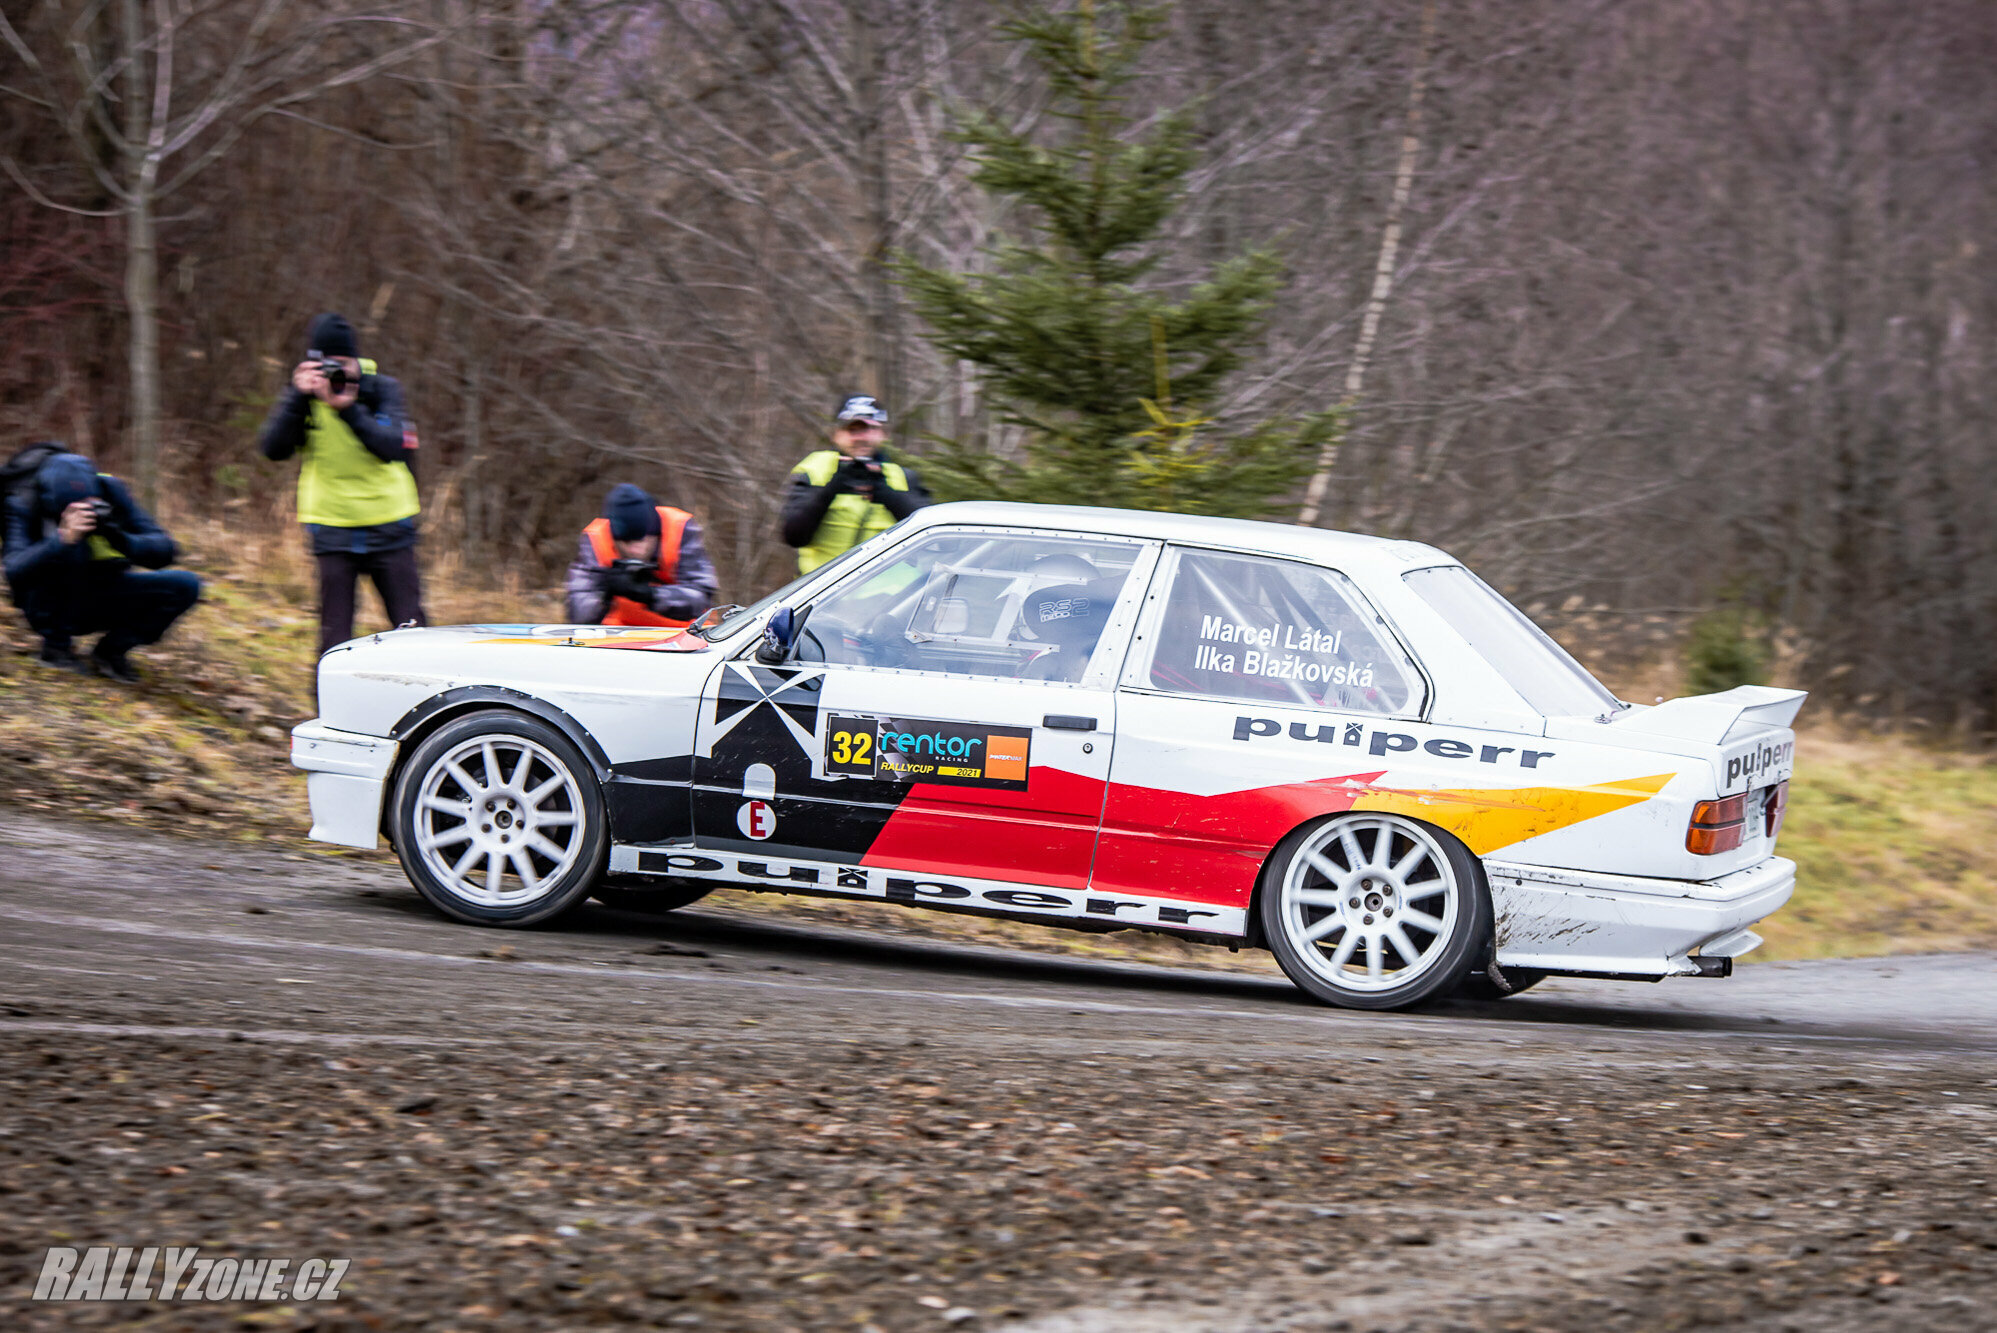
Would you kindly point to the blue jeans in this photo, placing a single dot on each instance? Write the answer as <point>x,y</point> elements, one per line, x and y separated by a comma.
<point>131,606</point>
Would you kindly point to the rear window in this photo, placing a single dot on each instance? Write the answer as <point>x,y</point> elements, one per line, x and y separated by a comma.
<point>1543,672</point>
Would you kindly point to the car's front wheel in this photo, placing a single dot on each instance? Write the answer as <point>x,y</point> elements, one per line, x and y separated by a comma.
<point>1374,911</point>
<point>499,821</point>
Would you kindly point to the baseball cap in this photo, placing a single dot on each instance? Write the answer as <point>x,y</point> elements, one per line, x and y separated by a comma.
<point>862,407</point>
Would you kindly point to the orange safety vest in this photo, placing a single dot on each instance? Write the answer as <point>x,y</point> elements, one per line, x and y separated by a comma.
<point>622,610</point>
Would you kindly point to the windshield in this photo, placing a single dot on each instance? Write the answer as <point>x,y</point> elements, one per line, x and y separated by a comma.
<point>1543,672</point>
<point>735,617</point>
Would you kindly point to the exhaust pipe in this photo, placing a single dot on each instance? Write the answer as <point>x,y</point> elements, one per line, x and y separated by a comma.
<point>1712,967</point>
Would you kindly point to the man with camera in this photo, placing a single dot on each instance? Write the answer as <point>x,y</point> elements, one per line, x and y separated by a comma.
<point>356,492</point>
<point>642,563</point>
<point>839,497</point>
<point>73,536</point>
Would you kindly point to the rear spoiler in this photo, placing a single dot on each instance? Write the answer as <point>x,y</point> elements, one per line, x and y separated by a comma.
<point>1717,718</point>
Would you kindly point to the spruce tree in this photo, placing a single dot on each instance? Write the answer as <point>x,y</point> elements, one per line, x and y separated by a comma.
<point>1110,376</point>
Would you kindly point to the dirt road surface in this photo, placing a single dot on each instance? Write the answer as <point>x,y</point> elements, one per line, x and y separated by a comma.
<point>713,1120</point>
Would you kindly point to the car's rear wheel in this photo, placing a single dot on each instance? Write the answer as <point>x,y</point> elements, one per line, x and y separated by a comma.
<point>1374,911</point>
<point>499,820</point>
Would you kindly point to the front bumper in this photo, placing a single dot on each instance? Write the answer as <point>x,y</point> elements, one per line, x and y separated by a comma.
<point>1574,921</point>
<point>346,775</point>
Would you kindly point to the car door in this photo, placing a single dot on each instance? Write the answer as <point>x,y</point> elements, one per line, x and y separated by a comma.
<point>951,713</point>
<point>1242,713</point>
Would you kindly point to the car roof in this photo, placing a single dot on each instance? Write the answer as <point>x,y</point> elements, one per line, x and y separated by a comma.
<point>1346,551</point>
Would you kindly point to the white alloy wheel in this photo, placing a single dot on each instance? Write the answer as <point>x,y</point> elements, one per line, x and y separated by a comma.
<point>1373,911</point>
<point>499,821</point>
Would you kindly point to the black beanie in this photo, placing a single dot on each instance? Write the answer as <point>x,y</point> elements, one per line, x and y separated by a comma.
<point>332,335</point>
<point>632,513</point>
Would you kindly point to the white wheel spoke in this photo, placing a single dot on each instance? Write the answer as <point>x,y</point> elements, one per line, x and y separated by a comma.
<point>523,866</point>
<point>547,849</point>
<point>542,792</point>
<point>1374,961</point>
<point>520,769</point>
<point>1406,865</point>
<point>464,865</point>
<point>1317,898</point>
<point>1422,921</point>
<point>466,782</point>
<point>1351,845</point>
<point>554,818</point>
<point>448,838</point>
<point>1428,888</point>
<point>495,871</point>
<point>1383,847</point>
<point>1342,955</point>
<point>1322,864</point>
<point>490,754</point>
<point>1404,945</point>
<point>462,809</point>
<point>1324,928</point>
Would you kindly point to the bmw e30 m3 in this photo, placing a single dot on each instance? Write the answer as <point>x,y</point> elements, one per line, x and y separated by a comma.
<point>1347,750</point>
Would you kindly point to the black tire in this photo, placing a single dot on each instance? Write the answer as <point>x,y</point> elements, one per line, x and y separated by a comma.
<point>1477,984</point>
<point>1362,869</point>
<point>560,834</point>
<point>641,893</point>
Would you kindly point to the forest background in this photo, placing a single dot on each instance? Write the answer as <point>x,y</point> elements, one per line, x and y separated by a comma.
<point>1686,319</point>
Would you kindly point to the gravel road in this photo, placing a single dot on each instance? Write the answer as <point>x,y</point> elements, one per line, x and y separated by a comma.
<point>721,1120</point>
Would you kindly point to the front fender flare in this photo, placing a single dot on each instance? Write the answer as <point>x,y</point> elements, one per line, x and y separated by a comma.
<point>413,725</point>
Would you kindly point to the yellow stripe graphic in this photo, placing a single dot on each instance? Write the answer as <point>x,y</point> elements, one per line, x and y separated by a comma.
<point>1488,819</point>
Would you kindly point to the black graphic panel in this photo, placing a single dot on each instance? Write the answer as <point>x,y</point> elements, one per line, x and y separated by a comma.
<point>756,775</point>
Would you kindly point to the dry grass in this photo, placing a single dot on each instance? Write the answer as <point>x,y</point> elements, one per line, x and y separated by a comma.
<point>1897,841</point>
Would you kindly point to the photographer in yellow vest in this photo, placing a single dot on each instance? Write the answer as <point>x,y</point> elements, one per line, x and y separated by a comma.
<point>356,493</point>
<point>841,496</point>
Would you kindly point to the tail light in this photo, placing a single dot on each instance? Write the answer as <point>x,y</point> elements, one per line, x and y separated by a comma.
<point>1717,826</point>
<point>1773,806</point>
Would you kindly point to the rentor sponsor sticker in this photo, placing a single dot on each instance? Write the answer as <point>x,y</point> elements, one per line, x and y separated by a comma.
<point>965,754</point>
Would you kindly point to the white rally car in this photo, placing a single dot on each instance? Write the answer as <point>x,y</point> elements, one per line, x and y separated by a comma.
<point>1346,750</point>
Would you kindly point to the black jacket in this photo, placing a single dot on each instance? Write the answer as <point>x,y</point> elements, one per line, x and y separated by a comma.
<point>805,504</point>
<point>375,416</point>
<point>34,552</point>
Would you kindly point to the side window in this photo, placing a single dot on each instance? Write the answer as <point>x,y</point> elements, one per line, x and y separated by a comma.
<point>977,604</point>
<point>1250,627</point>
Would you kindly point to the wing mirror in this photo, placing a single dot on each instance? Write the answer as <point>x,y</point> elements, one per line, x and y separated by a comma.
<point>780,635</point>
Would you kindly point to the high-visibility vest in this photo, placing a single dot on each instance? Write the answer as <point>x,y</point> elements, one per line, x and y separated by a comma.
<point>622,610</point>
<point>849,520</point>
<point>341,484</point>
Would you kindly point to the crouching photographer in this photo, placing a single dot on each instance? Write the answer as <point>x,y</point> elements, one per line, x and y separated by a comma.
<point>642,563</point>
<point>73,536</point>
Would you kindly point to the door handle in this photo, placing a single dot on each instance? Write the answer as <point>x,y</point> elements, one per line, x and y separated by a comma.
<point>1067,722</point>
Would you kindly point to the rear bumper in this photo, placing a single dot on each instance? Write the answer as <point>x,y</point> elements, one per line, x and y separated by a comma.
<point>346,775</point>
<point>1572,921</point>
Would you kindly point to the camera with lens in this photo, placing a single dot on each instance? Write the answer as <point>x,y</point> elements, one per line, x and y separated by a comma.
<point>335,373</point>
<point>643,571</point>
<point>100,509</point>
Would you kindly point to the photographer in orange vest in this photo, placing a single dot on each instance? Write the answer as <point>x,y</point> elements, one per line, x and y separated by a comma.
<point>642,563</point>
